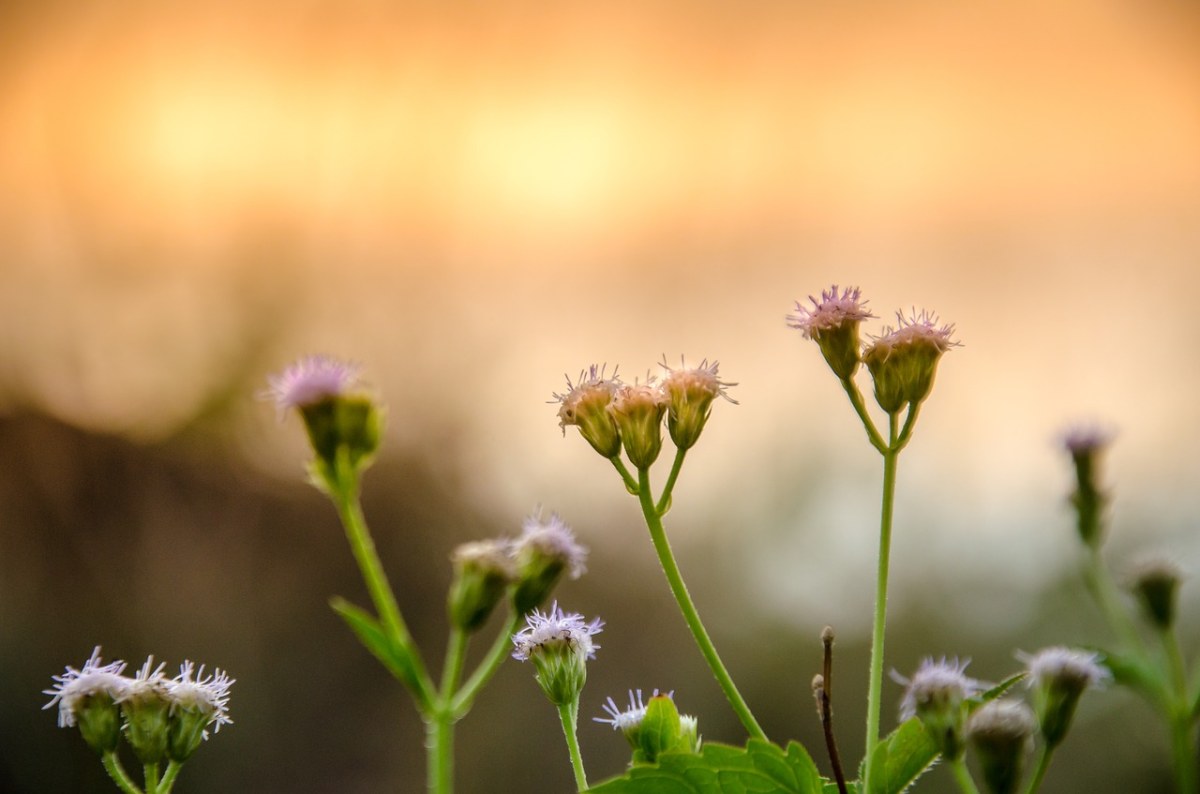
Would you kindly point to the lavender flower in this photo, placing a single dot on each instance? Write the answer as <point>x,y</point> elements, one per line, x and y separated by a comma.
<point>559,645</point>
<point>1058,677</point>
<point>832,323</point>
<point>690,392</point>
<point>311,380</point>
<point>545,550</point>
<point>937,694</point>
<point>585,405</point>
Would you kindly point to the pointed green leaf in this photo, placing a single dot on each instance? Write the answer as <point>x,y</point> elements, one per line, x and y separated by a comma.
<point>371,634</point>
<point>903,756</point>
<point>1137,675</point>
<point>995,692</point>
<point>759,768</point>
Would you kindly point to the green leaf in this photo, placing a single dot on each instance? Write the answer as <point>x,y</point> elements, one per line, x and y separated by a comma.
<point>995,692</point>
<point>759,768</point>
<point>903,756</point>
<point>370,633</point>
<point>1136,674</point>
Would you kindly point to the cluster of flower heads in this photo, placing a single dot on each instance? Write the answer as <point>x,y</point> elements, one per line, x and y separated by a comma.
<point>957,710</point>
<point>902,359</point>
<point>162,716</point>
<point>612,414</point>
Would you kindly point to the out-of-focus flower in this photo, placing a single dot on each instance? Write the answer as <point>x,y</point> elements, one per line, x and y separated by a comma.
<point>1058,677</point>
<point>483,570</point>
<point>1001,732</point>
<point>936,694</point>
<point>545,550</point>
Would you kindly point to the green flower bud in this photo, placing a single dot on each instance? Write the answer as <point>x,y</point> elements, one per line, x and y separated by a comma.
<point>937,694</point>
<point>483,571</point>
<point>585,405</point>
<point>690,394</point>
<point>654,728</point>
<point>543,553</point>
<point>88,697</point>
<point>1058,677</point>
<point>1001,732</point>
<point>638,411</point>
<point>903,361</point>
<point>146,706</point>
<point>832,323</point>
<point>559,645</point>
<point>1155,583</point>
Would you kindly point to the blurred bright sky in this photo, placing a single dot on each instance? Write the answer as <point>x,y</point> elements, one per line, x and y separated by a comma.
<point>474,199</point>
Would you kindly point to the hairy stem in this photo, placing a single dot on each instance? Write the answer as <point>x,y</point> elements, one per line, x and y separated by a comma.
<point>569,714</point>
<point>117,772</point>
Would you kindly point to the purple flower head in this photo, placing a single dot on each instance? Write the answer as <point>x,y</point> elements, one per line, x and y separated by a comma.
<point>556,632</point>
<point>832,311</point>
<point>550,539</point>
<point>1086,439</point>
<point>1066,668</point>
<point>311,380</point>
<point>918,328</point>
<point>935,686</point>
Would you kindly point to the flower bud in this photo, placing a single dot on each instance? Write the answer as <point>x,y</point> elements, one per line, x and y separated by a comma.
<point>146,705</point>
<point>88,698</point>
<point>1085,445</point>
<point>937,695</point>
<point>638,411</point>
<point>690,394</point>
<point>654,728</point>
<point>585,405</point>
<point>542,554</point>
<point>197,702</point>
<point>1058,677</point>
<point>1001,731</point>
<point>1155,583</point>
<point>482,572</point>
<point>559,645</point>
<point>833,323</point>
<point>903,361</point>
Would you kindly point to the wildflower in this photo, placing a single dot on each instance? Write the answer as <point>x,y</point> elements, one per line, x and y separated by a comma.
<point>343,422</point>
<point>1001,732</point>
<point>936,694</point>
<point>833,323</point>
<point>638,410</point>
<point>653,728</point>
<point>196,701</point>
<point>585,405</point>
<point>1058,677</point>
<point>1085,445</point>
<point>88,697</point>
<point>482,572</point>
<point>1155,582</point>
<point>146,705</point>
<point>903,361</point>
<point>559,645</point>
<point>545,550</point>
<point>690,392</point>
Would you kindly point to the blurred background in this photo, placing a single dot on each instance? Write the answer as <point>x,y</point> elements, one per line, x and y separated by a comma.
<point>472,199</point>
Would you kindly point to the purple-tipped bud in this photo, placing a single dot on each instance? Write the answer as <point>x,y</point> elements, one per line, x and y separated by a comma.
<point>1155,582</point>
<point>1058,677</point>
<point>1001,732</point>
<point>690,393</point>
<point>1086,445</point>
<point>483,570</point>
<point>937,695</point>
<point>638,411</point>
<point>832,323</point>
<point>903,361</point>
<point>545,551</point>
<point>585,405</point>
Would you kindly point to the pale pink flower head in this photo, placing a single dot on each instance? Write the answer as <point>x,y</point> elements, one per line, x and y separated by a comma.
<point>834,310</point>
<point>903,360</point>
<point>585,405</point>
<point>936,685</point>
<point>75,685</point>
<point>690,392</point>
<point>638,409</point>
<point>311,380</point>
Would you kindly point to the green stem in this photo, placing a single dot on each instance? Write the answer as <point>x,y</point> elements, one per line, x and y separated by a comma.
<point>664,500</point>
<point>962,776</point>
<point>569,714</point>
<point>630,483</point>
<point>690,616</point>
<point>1104,590</point>
<point>875,684</point>
<point>861,409</point>
<point>363,548</point>
<point>439,752</point>
<point>1040,772</point>
<point>910,421</point>
<point>1183,736</point>
<point>439,726</point>
<point>117,772</point>
<point>150,772</point>
<point>168,778</point>
<point>461,703</point>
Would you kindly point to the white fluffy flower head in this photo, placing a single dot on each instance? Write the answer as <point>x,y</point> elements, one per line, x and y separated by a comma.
<point>936,684</point>
<point>92,679</point>
<point>556,631</point>
<point>208,694</point>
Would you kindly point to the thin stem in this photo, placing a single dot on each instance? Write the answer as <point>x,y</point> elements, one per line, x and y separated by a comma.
<point>875,685</point>
<point>363,548</point>
<point>630,483</point>
<point>1040,772</point>
<point>439,753</point>
<point>439,727</point>
<point>461,703</point>
<point>168,778</point>
<point>861,409</point>
<point>1104,590</point>
<point>664,500</point>
<point>569,714</point>
<point>825,702</point>
<point>1183,736</point>
<point>117,772</point>
<point>910,421</point>
<point>150,773</point>
<point>690,616</point>
<point>962,776</point>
